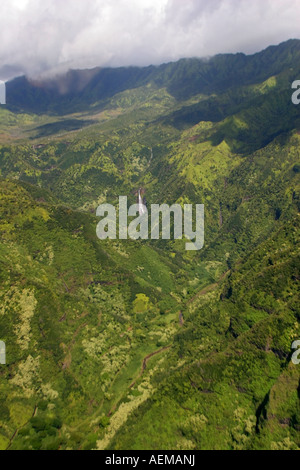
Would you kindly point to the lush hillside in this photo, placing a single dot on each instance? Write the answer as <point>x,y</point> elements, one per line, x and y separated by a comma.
<point>108,339</point>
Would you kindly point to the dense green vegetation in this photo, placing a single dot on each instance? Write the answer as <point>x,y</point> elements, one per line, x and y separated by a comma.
<point>143,345</point>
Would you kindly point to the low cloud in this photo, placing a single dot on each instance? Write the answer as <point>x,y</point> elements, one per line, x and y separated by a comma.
<point>49,36</point>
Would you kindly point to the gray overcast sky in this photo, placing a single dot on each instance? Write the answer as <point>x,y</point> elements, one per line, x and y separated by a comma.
<point>40,36</point>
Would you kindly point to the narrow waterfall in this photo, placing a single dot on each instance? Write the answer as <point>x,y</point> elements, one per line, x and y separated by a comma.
<point>142,209</point>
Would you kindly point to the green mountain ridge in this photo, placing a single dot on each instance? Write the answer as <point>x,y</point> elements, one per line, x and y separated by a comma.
<point>79,89</point>
<point>143,345</point>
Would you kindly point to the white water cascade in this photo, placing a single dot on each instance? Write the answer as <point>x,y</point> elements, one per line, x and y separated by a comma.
<point>142,209</point>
